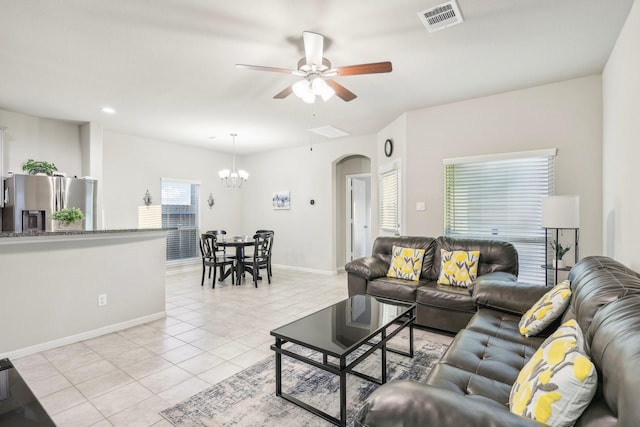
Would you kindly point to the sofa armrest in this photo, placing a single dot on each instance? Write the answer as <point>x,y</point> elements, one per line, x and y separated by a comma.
<point>411,404</point>
<point>368,267</point>
<point>510,296</point>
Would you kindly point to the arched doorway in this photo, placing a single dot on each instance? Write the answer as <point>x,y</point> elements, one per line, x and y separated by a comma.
<point>353,208</point>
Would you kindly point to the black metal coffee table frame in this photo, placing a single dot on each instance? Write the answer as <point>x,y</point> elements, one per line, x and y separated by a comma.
<point>407,318</point>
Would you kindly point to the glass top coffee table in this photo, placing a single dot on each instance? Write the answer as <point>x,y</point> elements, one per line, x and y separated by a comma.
<point>361,321</point>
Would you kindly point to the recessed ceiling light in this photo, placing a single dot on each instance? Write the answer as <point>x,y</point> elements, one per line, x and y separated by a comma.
<point>108,110</point>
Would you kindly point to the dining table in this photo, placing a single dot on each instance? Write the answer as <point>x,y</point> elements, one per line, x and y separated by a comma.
<point>238,243</point>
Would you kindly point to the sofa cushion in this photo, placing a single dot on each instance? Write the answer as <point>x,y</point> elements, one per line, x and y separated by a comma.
<point>400,289</point>
<point>494,358</point>
<point>494,255</point>
<point>558,382</point>
<point>547,309</point>
<point>406,263</point>
<point>458,268</point>
<point>383,246</point>
<point>615,349</point>
<point>444,296</point>
<point>501,325</point>
<point>597,281</point>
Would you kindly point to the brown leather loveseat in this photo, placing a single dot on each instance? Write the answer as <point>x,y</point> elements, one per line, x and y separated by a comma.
<point>438,306</point>
<point>471,383</point>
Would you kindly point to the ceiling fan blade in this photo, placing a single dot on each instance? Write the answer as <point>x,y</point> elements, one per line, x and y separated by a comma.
<point>313,48</point>
<point>341,91</point>
<point>372,68</point>
<point>284,93</point>
<point>261,68</point>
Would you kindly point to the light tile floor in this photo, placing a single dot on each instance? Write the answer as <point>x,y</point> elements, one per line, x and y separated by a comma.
<point>127,378</point>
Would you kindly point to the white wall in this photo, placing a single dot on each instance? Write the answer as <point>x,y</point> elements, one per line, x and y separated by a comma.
<point>134,164</point>
<point>397,132</point>
<point>621,145</point>
<point>565,115</point>
<point>305,234</point>
<point>54,141</point>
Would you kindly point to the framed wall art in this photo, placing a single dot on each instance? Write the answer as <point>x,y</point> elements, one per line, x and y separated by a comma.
<point>281,200</point>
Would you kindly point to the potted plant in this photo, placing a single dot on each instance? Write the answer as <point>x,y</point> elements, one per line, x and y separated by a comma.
<point>67,219</point>
<point>33,167</point>
<point>559,251</point>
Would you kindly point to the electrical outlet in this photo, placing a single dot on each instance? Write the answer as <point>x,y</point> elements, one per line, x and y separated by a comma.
<point>102,300</point>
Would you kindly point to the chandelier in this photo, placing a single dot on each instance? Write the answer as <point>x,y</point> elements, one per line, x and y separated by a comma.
<point>231,178</point>
<point>310,87</point>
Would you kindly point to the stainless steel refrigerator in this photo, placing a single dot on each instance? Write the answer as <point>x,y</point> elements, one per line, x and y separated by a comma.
<point>29,201</point>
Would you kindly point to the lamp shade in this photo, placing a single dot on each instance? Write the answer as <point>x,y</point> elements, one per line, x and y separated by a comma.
<point>561,212</point>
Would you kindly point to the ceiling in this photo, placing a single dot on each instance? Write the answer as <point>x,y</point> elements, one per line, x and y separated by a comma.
<point>168,66</point>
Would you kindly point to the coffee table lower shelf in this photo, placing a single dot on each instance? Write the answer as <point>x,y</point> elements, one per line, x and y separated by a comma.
<point>341,369</point>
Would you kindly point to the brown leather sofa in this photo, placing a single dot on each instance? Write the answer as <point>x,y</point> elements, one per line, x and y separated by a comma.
<point>470,385</point>
<point>448,308</point>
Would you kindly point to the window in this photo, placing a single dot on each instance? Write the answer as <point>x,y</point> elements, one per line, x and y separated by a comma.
<point>180,207</point>
<point>389,220</point>
<point>500,198</point>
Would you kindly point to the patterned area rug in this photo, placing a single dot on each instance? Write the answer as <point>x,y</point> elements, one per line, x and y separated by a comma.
<point>248,398</point>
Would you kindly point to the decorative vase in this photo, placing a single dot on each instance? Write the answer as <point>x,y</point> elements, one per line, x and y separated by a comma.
<point>560,263</point>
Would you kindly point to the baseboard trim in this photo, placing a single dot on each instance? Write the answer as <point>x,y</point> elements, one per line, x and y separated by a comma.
<point>25,351</point>
<point>306,270</point>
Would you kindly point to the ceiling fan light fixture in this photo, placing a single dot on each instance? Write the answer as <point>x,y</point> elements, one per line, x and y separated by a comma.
<point>320,87</point>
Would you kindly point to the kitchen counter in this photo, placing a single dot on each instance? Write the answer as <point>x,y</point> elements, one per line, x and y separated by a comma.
<point>8,236</point>
<point>62,287</point>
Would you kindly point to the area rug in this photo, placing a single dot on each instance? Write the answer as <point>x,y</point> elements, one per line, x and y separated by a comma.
<point>248,398</point>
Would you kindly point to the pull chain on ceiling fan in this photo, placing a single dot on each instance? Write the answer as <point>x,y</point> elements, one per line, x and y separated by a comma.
<point>316,72</point>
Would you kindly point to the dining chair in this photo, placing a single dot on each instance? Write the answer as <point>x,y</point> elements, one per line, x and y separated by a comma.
<point>218,233</point>
<point>260,257</point>
<point>269,270</point>
<point>212,257</point>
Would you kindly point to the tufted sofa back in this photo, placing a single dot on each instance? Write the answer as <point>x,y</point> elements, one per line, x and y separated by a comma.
<point>605,301</point>
<point>595,282</point>
<point>383,246</point>
<point>494,255</point>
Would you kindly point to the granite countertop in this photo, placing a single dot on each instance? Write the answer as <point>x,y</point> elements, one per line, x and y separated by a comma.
<point>80,232</point>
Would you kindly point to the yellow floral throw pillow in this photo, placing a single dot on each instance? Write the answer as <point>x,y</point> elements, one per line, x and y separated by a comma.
<point>406,263</point>
<point>458,268</point>
<point>547,309</point>
<point>558,382</point>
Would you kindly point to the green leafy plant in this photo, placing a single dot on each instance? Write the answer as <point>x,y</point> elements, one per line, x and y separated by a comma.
<point>68,215</point>
<point>33,167</point>
<point>559,249</point>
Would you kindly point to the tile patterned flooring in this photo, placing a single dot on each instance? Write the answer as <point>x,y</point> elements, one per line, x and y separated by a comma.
<point>127,378</point>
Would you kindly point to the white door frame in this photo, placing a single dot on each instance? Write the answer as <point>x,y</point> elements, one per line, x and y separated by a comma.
<point>348,205</point>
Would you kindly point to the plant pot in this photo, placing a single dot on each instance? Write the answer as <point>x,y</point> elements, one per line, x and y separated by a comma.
<point>65,226</point>
<point>559,263</point>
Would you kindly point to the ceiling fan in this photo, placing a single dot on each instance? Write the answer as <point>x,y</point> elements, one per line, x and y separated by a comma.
<point>317,72</point>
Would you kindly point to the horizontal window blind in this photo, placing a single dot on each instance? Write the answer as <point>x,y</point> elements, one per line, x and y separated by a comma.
<point>389,200</point>
<point>502,200</point>
<point>180,207</point>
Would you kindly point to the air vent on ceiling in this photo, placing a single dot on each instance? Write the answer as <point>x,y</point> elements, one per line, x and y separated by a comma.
<point>329,131</point>
<point>441,16</point>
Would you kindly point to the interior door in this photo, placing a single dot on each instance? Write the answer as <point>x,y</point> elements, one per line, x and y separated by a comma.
<point>360,217</point>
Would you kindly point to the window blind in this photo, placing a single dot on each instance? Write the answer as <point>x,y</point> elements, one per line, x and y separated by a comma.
<point>502,200</point>
<point>180,207</point>
<point>389,200</point>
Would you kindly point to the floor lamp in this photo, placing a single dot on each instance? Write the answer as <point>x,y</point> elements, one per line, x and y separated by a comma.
<point>560,213</point>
